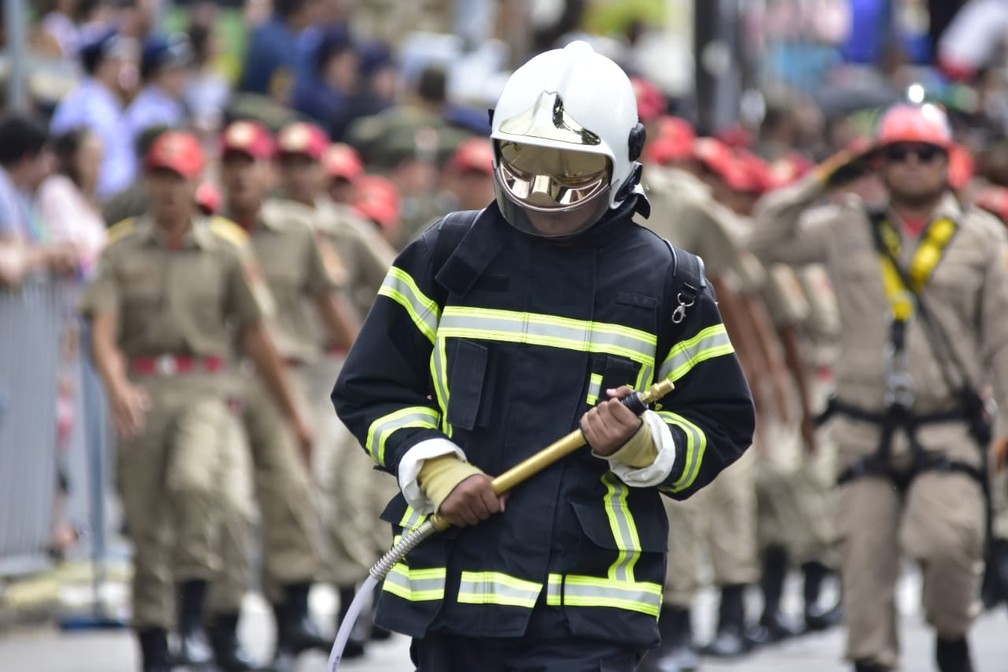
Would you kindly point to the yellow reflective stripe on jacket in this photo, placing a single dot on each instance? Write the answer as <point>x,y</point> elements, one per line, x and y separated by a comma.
<point>497,588</point>
<point>439,374</point>
<point>623,528</point>
<point>382,428</point>
<point>696,446</point>
<point>709,343</point>
<point>401,288</point>
<point>416,585</point>
<point>594,388</point>
<point>411,519</point>
<point>548,330</point>
<point>589,591</point>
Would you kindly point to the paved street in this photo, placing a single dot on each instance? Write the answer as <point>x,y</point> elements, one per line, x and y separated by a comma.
<point>48,650</point>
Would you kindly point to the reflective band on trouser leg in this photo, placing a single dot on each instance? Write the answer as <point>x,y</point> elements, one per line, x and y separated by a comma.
<point>402,289</point>
<point>623,528</point>
<point>549,331</point>
<point>497,588</point>
<point>382,428</point>
<point>416,585</point>
<point>588,591</point>
<point>709,343</point>
<point>594,388</point>
<point>696,446</point>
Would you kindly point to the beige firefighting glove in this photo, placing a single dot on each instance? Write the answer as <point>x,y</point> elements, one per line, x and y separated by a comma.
<point>639,452</point>
<point>439,476</point>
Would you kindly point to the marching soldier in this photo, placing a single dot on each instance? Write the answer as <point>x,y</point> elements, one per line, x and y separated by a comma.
<point>351,248</point>
<point>169,286</point>
<point>306,294</point>
<point>922,288</point>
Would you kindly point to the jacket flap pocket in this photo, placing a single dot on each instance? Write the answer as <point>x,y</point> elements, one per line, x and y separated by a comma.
<point>637,300</point>
<point>616,528</point>
<point>466,378</point>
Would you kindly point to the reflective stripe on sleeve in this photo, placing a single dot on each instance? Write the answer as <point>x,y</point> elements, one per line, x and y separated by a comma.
<point>497,588</point>
<point>383,428</point>
<point>709,343</point>
<point>416,585</point>
<point>696,445</point>
<point>401,288</point>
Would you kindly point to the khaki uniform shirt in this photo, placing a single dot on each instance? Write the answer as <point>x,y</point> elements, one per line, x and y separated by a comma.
<point>351,248</point>
<point>967,295</point>
<point>295,274</point>
<point>184,301</point>
<point>684,213</point>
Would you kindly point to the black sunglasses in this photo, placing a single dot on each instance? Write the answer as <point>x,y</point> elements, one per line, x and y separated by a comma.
<point>925,153</point>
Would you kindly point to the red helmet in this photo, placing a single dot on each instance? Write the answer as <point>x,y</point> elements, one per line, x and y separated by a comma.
<point>994,200</point>
<point>673,144</point>
<point>962,167</point>
<point>914,123</point>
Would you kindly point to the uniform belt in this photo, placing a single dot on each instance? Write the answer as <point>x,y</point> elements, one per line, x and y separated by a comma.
<point>170,365</point>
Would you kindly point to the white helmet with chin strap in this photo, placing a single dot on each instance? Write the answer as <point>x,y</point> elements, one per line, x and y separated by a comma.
<point>566,141</point>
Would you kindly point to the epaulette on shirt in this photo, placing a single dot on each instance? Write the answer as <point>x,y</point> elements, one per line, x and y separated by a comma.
<point>119,231</point>
<point>229,231</point>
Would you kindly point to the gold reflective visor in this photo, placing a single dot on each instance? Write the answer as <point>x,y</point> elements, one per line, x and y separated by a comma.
<point>546,177</point>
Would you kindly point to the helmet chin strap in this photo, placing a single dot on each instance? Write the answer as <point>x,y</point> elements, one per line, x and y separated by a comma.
<point>629,186</point>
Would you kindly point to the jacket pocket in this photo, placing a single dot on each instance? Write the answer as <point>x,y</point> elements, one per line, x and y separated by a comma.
<point>609,371</point>
<point>466,383</point>
<point>615,534</point>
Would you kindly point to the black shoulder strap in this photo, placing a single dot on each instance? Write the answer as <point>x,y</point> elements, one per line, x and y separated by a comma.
<point>688,274</point>
<point>454,272</point>
<point>452,230</point>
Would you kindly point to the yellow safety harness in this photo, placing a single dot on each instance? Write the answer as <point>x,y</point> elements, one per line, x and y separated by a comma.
<point>903,288</point>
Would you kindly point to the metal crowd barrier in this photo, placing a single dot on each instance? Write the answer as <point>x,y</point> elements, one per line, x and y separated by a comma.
<point>31,326</point>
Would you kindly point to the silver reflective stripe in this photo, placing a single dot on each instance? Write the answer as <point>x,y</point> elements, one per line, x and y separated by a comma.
<point>594,388</point>
<point>415,585</point>
<point>623,528</point>
<point>710,342</point>
<point>554,590</point>
<point>401,288</point>
<point>588,591</point>
<point>549,331</point>
<point>383,428</point>
<point>696,446</point>
<point>411,519</point>
<point>439,374</point>
<point>497,588</point>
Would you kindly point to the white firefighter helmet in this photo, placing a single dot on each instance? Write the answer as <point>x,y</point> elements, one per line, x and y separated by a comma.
<point>566,141</point>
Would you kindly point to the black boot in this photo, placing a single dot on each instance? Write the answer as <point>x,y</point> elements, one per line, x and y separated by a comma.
<point>774,626</point>
<point>296,632</point>
<point>194,647</point>
<point>359,635</point>
<point>729,642</point>
<point>861,666</point>
<point>818,618</point>
<point>154,650</point>
<point>994,589</point>
<point>953,655</point>
<point>676,653</point>
<point>228,652</point>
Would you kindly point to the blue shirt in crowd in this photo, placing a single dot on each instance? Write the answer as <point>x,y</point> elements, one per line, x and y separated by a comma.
<point>154,107</point>
<point>18,218</point>
<point>271,59</point>
<point>92,105</point>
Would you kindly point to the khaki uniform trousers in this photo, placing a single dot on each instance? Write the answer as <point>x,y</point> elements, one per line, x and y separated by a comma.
<point>718,522</point>
<point>939,523</point>
<point>794,494</point>
<point>353,492</point>
<point>169,479</point>
<point>283,492</point>
<point>236,531</point>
